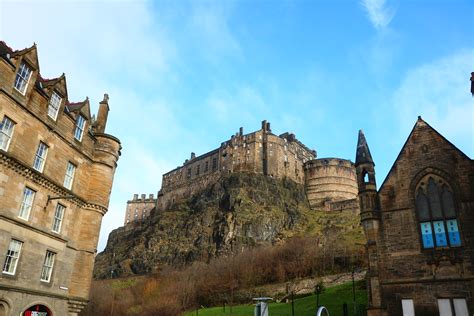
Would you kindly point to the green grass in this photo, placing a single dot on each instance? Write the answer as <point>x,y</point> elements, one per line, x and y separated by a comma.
<point>332,299</point>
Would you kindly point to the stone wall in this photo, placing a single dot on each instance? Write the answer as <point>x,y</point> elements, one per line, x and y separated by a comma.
<point>139,209</point>
<point>330,180</point>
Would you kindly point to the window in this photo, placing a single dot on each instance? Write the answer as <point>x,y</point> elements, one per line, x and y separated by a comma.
<point>6,132</point>
<point>13,255</point>
<point>452,307</point>
<point>214,163</point>
<point>40,157</point>
<point>26,203</point>
<point>53,106</point>
<point>407,307</point>
<point>69,177</point>
<point>79,130</point>
<point>198,170</point>
<point>22,77</point>
<point>206,166</point>
<point>58,218</point>
<point>47,266</point>
<point>436,213</point>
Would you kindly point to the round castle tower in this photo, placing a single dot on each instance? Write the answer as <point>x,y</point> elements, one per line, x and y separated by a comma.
<point>329,180</point>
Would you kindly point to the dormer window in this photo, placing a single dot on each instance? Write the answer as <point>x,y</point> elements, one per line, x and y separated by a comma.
<point>79,130</point>
<point>53,106</point>
<point>22,77</point>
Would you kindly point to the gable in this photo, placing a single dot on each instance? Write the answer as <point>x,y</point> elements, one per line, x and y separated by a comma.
<point>424,151</point>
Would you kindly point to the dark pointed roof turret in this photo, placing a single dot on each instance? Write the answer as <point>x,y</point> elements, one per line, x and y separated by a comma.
<point>363,153</point>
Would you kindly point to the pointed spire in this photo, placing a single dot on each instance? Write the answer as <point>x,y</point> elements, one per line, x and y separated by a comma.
<point>363,153</point>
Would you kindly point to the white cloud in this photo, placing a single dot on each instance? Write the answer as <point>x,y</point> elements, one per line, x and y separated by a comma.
<point>379,13</point>
<point>440,93</point>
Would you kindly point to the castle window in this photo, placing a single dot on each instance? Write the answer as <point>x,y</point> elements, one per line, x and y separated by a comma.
<point>366,177</point>
<point>13,255</point>
<point>58,218</point>
<point>198,170</point>
<point>48,264</point>
<point>40,157</point>
<point>79,129</point>
<point>6,132</point>
<point>189,173</point>
<point>22,77</point>
<point>206,166</point>
<point>436,212</point>
<point>53,106</point>
<point>26,203</point>
<point>214,163</point>
<point>69,177</point>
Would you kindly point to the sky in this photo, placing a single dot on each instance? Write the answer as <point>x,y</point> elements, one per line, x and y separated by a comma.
<point>183,76</point>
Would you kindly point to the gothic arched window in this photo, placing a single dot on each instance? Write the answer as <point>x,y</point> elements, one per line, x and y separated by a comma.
<point>436,213</point>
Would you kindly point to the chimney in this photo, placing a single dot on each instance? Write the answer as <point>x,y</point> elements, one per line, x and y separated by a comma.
<point>101,121</point>
<point>264,125</point>
<point>193,155</point>
<point>135,197</point>
<point>143,197</point>
<point>151,196</point>
<point>241,131</point>
<point>268,127</point>
<point>472,83</point>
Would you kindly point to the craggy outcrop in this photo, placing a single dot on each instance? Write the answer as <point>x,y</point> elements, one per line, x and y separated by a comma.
<point>240,210</point>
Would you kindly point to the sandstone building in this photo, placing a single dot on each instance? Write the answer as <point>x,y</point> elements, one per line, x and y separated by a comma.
<point>419,227</point>
<point>330,182</point>
<point>56,172</point>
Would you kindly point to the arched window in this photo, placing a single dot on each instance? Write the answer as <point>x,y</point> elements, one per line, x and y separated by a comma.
<point>436,213</point>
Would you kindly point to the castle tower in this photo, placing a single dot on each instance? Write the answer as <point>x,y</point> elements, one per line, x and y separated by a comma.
<point>370,218</point>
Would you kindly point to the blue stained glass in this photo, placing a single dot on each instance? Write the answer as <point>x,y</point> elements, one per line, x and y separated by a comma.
<point>427,235</point>
<point>453,233</point>
<point>440,234</point>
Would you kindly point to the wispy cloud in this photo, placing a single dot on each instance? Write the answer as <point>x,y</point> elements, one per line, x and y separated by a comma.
<point>379,13</point>
<point>439,92</point>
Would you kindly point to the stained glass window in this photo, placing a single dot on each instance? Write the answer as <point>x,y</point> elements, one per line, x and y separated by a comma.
<point>437,214</point>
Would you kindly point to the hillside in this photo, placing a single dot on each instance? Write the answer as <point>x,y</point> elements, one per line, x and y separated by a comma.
<point>240,211</point>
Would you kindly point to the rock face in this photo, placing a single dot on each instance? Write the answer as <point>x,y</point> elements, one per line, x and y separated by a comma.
<point>240,210</point>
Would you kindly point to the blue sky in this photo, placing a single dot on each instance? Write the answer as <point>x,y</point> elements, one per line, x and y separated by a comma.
<point>184,75</point>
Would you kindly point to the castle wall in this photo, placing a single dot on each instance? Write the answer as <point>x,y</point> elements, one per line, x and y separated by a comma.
<point>138,209</point>
<point>330,180</point>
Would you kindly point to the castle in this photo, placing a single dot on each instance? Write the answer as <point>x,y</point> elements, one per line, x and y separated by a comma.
<point>330,182</point>
<point>57,166</point>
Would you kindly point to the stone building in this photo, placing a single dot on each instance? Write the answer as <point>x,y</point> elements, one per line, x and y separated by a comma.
<point>138,209</point>
<point>419,227</point>
<point>56,172</point>
<point>330,182</point>
<point>260,152</point>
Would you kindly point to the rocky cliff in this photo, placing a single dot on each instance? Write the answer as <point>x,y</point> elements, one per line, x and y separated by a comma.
<point>241,210</point>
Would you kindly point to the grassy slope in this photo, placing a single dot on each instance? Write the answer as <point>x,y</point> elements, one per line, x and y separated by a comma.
<point>332,298</point>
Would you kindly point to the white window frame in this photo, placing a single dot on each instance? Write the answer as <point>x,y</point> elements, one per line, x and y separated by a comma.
<point>69,175</point>
<point>58,218</point>
<point>48,265</point>
<point>40,157</point>
<point>22,78</point>
<point>407,307</point>
<point>26,203</point>
<point>53,105</point>
<point>6,132</point>
<point>80,126</point>
<point>12,257</point>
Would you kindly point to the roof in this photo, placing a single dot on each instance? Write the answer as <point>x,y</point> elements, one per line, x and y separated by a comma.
<point>419,123</point>
<point>363,153</point>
